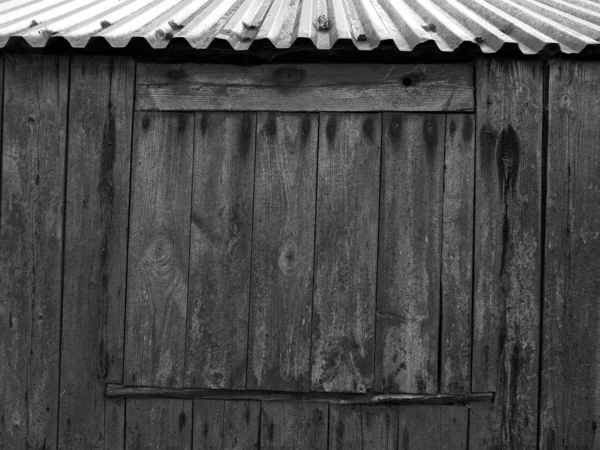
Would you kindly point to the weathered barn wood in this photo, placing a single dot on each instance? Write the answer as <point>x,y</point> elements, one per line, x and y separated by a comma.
<point>346,252</point>
<point>570,397</point>
<point>363,427</point>
<point>300,425</point>
<point>433,427</point>
<point>283,252</point>
<point>307,87</point>
<point>31,247</point>
<point>507,259</point>
<point>159,242</point>
<point>97,214</point>
<point>221,225</point>
<point>408,289</point>
<point>160,424</point>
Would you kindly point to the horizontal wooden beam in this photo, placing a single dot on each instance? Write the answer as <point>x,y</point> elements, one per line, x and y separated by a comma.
<point>305,87</point>
<point>114,390</point>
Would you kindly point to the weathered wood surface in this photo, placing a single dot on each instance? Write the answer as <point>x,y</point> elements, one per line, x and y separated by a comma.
<point>226,424</point>
<point>457,254</point>
<point>570,397</point>
<point>307,87</point>
<point>433,428</point>
<point>221,242</point>
<point>31,247</point>
<point>114,423</point>
<point>97,214</point>
<point>507,259</point>
<point>295,425</point>
<point>159,424</point>
<point>363,427</point>
<point>346,252</point>
<point>159,241</point>
<point>283,252</point>
<point>408,288</point>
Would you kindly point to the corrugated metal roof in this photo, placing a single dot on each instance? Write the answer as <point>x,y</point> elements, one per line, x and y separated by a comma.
<point>531,24</point>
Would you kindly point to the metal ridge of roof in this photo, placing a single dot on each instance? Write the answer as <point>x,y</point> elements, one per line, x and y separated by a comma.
<point>530,24</point>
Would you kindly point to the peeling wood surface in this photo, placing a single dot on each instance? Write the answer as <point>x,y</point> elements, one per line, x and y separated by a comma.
<point>97,214</point>
<point>31,247</point>
<point>159,241</point>
<point>570,397</point>
<point>300,425</point>
<point>323,87</point>
<point>221,231</point>
<point>226,424</point>
<point>283,252</point>
<point>408,288</point>
<point>346,252</point>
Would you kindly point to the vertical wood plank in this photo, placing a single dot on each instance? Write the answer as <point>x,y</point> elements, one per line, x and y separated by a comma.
<point>433,428</point>
<point>159,423</point>
<point>159,241</point>
<point>457,254</point>
<point>31,247</point>
<point>294,425</point>
<point>226,424</point>
<point>220,250</point>
<point>346,246</point>
<point>379,427</point>
<point>570,397</point>
<point>507,260</point>
<point>100,117</point>
<point>283,252</point>
<point>345,427</point>
<point>114,424</point>
<point>408,287</point>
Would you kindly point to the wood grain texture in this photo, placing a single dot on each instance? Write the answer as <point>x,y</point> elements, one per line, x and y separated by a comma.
<point>220,250</point>
<point>114,423</point>
<point>457,254</point>
<point>97,214</point>
<point>307,87</point>
<point>346,252</point>
<point>507,260</point>
<point>570,397</point>
<point>31,247</point>
<point>294,425</point>
<point>433,428</point>
<point>159,242</point>
<point>283,252</point>
<point>226,425</point>
<point>410,228</point>
<point>363,427</point>
<point>164,424</point>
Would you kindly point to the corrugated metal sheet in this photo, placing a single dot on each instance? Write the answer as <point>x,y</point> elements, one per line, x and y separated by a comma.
<point>531,24</point>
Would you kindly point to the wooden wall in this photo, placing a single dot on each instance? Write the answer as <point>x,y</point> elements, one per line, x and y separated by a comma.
<point>84,180</point>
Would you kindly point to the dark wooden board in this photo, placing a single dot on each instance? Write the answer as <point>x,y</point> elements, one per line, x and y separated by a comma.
<point>433,428</point>
<point>295,425</point>
<point>507,248</point>
<point>31,247</point>
<point>97,213</point>
<point>410,229</point>
<point>114,424</point>
<point>310,87</point>
<point>221,240</point>
<point>283,252</point>
<point>457,254</point>
<point>159,240</point>
<point>570,396</point>
<point>346,252</point>
<point>345,427</point>
<point>230,425</point>
<point>363,427</point>
<point>159,424</point>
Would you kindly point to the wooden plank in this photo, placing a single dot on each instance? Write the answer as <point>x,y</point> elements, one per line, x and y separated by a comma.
<point>220,250</point>
<point>507,259</point>
<point>226,424</point>
<point>294,425</point>
<point>159,242</point>
<point>31,247</point>
<point>433,428</point>
<point>114,424</point>
<point>311,87</point>
<point>570,396</point>
<point>346,252</point>
<point>457,254</point>
<point>97,213</point>
<point>345,427</point>
<point>408,286</point>
<point>363,427</point>
<point>161,424</point>
<point>283,252</point>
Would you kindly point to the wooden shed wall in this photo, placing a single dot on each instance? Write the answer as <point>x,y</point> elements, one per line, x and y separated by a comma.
<point>66,235</point>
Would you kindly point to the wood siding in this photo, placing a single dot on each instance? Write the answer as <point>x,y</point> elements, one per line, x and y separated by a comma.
<point>287,267</point>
